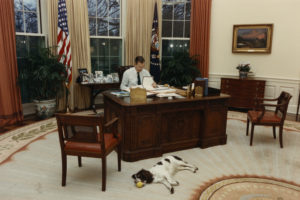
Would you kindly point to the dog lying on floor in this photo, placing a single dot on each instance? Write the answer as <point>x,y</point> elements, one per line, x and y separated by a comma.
<point>163,172</point>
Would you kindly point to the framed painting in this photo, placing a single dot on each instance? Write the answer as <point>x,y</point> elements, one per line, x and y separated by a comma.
<point>252,38</point>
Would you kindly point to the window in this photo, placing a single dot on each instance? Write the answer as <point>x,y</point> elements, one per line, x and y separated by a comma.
<point>176,16</point>
<point>26,16</point>
<point>105,34</point>
<point>28,34</point>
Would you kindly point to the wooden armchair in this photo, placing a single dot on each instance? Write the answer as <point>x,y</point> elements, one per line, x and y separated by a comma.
<point>87,136</point>
<point>259,116</point>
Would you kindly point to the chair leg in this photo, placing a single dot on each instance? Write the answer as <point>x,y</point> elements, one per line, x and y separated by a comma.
<point>79,161</point>
<point>64,169</point>
<point>247,130</point>
<point>119,157</point>
<point>252,132</point>
<point>274,132</point>
<point>103,173</point>
<point>280,136</point>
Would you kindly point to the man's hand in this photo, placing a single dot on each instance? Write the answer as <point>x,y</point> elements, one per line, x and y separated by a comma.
<point>154,85</point>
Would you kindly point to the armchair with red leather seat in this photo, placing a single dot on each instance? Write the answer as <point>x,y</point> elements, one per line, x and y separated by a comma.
<point>87,136</point>
<point>259,116</point>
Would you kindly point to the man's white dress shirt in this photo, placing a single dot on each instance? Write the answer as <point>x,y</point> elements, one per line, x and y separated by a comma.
<point>130,78</point>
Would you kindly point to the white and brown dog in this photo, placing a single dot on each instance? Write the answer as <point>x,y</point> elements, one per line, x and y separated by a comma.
<point>163,172</point>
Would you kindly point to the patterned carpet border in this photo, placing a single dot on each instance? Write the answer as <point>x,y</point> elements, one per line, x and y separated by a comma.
<point>202,188</point>
<point>18,139</point>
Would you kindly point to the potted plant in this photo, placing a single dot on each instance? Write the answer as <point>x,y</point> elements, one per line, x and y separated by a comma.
<point>180,69</point>
<point>44,78</point>
<point>244,69</point>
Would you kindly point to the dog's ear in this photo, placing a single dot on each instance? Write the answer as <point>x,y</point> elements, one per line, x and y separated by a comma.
<point>133,176</point>
<point>147,176</point>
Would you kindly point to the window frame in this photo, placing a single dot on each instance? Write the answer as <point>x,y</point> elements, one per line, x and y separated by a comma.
<point>173,20</point>
<point>121,21</point>
<point>39,19</point>
<point>108,37</point>
<point>42,33</point>
<point>184,20</point>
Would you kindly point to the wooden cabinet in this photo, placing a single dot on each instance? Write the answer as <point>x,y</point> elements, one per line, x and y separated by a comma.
<point>243,91</point>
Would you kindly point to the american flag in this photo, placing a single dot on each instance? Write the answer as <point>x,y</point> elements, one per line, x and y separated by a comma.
<point>63,40</point>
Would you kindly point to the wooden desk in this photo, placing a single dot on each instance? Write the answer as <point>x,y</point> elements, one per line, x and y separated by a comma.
<point>97,88</point>
<point>160,125</point>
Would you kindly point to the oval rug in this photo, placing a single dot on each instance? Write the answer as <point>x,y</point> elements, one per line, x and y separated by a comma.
<point>248,188</point>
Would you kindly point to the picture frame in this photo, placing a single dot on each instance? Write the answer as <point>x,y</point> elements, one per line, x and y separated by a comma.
<point>252,38</point>
<point>82,71</point>
<point>83,75</point>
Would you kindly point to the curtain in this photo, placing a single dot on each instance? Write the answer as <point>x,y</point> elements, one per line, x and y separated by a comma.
<point>10,97</point>
<point>139,19</point>
<point>78,23</point>
<point>200,33</point>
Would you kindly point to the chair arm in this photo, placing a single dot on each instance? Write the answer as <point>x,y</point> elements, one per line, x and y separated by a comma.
<point>112,124</point>
<point>263,105</point>
<point>258,105</point>
<point>264,99</point>
<point>272,105</point>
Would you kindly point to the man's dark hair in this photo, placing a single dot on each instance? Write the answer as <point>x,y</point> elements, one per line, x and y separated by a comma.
<point>139,59</point>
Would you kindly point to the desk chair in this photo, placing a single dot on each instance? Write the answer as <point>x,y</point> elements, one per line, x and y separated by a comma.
<point>259,116</point>
<point>121,71</point>
<point>87,136</point>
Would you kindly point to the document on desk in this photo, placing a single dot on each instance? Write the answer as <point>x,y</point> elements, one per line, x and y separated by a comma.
<point>170,95</point>
<point>149,93</point>
<point>148,82</point>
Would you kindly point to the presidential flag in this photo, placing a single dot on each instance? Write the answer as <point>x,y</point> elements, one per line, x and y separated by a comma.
<point>154,57</point>
<point>63,40</point>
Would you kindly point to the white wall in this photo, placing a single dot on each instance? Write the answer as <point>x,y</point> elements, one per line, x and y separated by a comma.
<point>281,68</point>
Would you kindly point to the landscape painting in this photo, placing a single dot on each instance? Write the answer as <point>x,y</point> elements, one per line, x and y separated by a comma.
<point>252,38</point>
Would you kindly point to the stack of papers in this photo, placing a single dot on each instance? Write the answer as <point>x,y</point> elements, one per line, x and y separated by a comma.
<point>170,95</point>
<point>162,91</point>
<point>121,94</point>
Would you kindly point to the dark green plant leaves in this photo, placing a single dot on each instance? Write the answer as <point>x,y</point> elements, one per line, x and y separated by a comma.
<point>43,75</point>
<point>180,69</point>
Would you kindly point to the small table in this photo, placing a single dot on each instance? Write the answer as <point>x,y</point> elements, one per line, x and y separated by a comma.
<point>97,88</point>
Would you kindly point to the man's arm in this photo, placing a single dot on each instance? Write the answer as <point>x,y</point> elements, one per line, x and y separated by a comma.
<point>125,81</point>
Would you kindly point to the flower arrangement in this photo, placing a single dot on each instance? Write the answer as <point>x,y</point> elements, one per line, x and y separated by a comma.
<point>244,67</point>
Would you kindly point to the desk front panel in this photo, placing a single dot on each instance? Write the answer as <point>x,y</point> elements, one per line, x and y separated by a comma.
<point>150,130</point>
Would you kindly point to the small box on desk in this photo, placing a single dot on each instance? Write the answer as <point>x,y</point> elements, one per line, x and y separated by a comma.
<point>203,82</point>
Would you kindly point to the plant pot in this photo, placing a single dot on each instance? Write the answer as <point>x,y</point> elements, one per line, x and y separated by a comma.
<point>243,74</point>
<point>46,108</point>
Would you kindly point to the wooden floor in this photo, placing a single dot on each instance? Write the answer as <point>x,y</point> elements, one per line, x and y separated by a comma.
<point>32,118</point>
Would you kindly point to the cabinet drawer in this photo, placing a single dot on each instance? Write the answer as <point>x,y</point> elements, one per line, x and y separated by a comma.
<point>242,91</point>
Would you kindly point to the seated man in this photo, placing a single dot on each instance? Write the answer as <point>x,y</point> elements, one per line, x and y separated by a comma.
<point>134,76</point>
